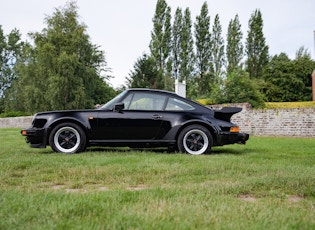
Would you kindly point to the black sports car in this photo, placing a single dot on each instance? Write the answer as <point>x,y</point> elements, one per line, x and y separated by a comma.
<point>137,118</point>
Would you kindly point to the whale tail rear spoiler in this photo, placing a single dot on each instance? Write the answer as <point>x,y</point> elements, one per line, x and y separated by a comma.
<point>226,113</point>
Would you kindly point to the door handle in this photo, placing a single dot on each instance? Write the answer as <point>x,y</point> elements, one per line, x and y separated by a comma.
<point>157,116</point>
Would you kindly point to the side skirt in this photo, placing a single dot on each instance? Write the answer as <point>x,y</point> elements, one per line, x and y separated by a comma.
<point>132,143</point>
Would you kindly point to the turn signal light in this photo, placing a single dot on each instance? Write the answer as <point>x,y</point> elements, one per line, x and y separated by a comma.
<point>23,132</point>
<point>234,129</point>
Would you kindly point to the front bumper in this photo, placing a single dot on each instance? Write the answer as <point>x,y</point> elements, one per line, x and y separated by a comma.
<point>232,138</point>
<point>35,136</point>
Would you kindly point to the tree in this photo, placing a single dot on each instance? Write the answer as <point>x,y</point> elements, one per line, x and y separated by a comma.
<point>203,48</point>
<point>187,55</point>
<point>234,90</point>
<point>288,80</point>
<point>218,55</point>
<point>160,45</point>
<point>28,91</point>
<point>182,46</point>
<point>234,48</point>
<point>303,68</point>
<point>176,42</point>
<point>145,74</point>
<point>280,79</point>
<point>256,48</point>
<point>10,50</point>
<point>63,70</point>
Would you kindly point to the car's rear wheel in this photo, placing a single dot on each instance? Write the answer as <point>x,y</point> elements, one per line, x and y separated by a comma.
<point>195,140</point>
<point>67,138</point>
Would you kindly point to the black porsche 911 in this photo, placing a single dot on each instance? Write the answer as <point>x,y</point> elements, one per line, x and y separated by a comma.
<point>137,118</point>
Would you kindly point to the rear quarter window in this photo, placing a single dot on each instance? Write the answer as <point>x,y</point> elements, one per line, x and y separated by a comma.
<point>174,104</point>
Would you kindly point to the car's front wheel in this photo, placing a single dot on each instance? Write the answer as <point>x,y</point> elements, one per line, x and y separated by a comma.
<point>195,140</point>
<point>67,138</point>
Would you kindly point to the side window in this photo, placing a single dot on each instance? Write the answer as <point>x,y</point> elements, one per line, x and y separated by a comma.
<point>127,101</point>
<point>146,101</point>
<point>177,105</point>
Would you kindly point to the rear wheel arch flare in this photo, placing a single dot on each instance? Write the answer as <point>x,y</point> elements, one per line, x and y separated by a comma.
<point>195,139</point>
<point>207,126</point>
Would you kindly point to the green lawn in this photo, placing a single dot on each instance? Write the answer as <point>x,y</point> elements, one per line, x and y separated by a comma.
<point>267,184</point>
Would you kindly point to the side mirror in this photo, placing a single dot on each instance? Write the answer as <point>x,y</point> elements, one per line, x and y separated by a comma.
<point>119,107</point>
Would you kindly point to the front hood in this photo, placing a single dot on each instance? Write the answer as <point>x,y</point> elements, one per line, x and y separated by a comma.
<point>226,113</point>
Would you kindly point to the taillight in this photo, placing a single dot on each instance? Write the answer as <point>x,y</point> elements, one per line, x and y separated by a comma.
<point>23,132</point>
<point>234,129</point>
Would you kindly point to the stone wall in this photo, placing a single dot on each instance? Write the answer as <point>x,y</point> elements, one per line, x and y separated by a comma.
<point>274,122</point>
<point>16,122</point>
<point>257,122</point>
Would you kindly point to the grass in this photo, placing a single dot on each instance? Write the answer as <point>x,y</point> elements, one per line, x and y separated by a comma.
<point>267,184</point>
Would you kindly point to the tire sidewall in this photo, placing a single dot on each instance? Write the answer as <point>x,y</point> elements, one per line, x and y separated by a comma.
<point>200,130</point>
<point>76,130</point>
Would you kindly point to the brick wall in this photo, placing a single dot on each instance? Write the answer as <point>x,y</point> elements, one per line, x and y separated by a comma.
<point>257,122</point>
<point>274,122</point>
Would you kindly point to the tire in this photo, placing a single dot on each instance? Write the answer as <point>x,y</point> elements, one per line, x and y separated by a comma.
<point>67,138</point>
<point>195,140</point>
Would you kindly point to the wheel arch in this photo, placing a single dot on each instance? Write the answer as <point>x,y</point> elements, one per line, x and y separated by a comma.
<point>208,126</point>
<point>86,128</point>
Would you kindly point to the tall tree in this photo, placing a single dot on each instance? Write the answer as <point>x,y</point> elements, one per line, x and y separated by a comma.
<point>256,48</point>
<point>187,48</point>
<point>234,47</point>
<point>218,55</point>
<point>176,42</point>
<point>63,70</point>
<point>160,45</point>
<point>203,48</point>
<point>182,46</point>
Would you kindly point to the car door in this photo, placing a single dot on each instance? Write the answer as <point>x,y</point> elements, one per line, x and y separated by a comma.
<point>139,120</point>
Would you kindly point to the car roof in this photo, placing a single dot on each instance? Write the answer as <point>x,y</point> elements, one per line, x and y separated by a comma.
<point>151,90</point>
<point>167,92</point>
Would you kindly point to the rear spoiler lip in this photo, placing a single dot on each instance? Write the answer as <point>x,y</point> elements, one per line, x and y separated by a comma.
<point>226,113</point>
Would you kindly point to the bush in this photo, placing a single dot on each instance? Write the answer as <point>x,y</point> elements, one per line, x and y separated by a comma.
<point>206,101</point>
<point>239,88</point>
<point>14,114</point>
<point>290,105</point>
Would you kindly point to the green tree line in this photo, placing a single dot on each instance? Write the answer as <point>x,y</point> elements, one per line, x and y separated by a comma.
<point>224,70</point>
<point>62,69</point>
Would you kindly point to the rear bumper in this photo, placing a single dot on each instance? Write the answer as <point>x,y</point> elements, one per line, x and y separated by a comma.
<point>36,137</point>
<point>232,138</point>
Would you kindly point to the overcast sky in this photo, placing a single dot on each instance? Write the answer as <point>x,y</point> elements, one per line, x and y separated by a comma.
<point>122,28</point>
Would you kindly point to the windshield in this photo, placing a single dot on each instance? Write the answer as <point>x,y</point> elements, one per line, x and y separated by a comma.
<point>110,105</point>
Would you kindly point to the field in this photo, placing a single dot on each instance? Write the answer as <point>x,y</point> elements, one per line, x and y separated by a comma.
<point>267,184</point>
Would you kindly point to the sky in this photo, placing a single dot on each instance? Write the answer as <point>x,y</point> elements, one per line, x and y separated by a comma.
<point>122,28</point>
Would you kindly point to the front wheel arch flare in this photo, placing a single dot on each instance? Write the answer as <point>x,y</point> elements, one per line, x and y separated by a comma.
<point>67,138</point>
